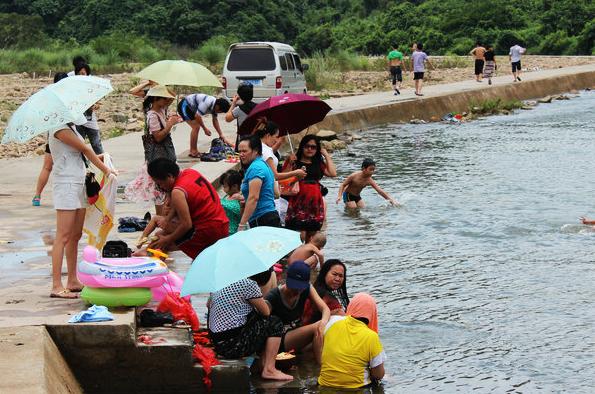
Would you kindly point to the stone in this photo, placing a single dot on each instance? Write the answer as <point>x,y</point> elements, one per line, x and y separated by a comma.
<point>574,91</point>
<point>338,144</point>
<point>132,126</point>
<point>526,107</point>
<point>417,121</point>
<point>326,135</point>
<point>356,137</point>
<point>464,114</point>
<point>434,118</point>
<point>327,145</point>
<point>562,97</point>
<point>120,118</point>
<point>531,103</point>
<point>131,120</point>
<point>351,154</point>
<point>545,100</point>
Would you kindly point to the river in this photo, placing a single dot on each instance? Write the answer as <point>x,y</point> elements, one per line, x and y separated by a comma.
<point>484,277</point>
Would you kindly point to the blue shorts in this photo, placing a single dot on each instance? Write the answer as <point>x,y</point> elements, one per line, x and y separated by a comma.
<point>350,197</point>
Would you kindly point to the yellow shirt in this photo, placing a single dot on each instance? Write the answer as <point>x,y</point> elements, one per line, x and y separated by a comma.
<point>350,350</point>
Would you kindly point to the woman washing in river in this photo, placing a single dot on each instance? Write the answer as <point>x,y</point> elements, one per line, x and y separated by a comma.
<point>331,286</point>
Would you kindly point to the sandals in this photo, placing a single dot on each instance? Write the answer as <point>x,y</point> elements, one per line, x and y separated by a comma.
<point>36,201</point>
<point>64,294</point>
<point>194,155</point>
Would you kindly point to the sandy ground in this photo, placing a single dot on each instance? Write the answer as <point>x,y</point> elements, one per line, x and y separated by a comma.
<point>121,112</point>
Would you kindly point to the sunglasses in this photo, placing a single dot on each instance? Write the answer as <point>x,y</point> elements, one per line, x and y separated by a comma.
<point>308,146</point>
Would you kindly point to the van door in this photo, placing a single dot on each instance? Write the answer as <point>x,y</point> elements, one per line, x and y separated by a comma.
<point>285,73</point>
<point>300,77</point>
<point>291,74</point>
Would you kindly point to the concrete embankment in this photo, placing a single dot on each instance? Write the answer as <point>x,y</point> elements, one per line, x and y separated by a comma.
<point>361,112</point>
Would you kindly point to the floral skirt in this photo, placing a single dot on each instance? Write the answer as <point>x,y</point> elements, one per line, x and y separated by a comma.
<point>305,211</point>
<point>143,189</point>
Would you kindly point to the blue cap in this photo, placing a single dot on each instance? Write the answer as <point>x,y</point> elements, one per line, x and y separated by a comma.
<point>298,275</point>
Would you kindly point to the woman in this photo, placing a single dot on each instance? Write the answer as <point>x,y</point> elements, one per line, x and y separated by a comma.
<point>70,202</point>
<point>268,132</point>
<point>157,143</point>
<point>46,169</point>
<point>331,287</point>
<point>306,210</point>
<point>287,302</point>
<point>240,324</point>
<point>490,67</point>
<point>257,187</point>
<point>352,355</point>
<point>91,128</point>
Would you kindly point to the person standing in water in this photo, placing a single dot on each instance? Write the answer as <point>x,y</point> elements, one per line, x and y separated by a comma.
<point>353,185</point>
<point>478,53</point>
<point>395,64</point>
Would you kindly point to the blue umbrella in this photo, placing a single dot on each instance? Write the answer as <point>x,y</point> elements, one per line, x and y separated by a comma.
<point>237,257</point>
<point>54,106</point>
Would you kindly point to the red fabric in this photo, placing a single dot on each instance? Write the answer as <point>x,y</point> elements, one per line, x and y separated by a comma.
<point>205,208</point>
<point>305,211</point>
<point>180,309</point>
<point>312,314</point>
<point>203,239</point>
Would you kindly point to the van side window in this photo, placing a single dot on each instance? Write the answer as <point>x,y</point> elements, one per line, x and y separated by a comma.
<point>289,61</point>
<point>298,62</point>
<point>283,62</point>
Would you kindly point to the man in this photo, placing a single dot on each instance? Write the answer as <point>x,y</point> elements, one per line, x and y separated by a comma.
<point>478,52</point>
<point>395,61</point>
<point>201,220</point>
<point>193,107</point>
<point>419,59</point>
<point>515,61</point>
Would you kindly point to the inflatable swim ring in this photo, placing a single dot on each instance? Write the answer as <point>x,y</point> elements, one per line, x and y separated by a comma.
<point>126,296</point>
<point>95,271</point>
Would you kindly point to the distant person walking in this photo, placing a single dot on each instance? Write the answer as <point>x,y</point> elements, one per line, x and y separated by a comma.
<point>478,52</point>
<point>515,61</point>
<point>419,59</point>
<point>193,107</point>
<point>490,66</point>
<point>77,62</point>
<point>395,62</point>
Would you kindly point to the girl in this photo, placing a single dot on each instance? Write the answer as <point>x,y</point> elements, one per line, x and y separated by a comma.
<point>233,200</point>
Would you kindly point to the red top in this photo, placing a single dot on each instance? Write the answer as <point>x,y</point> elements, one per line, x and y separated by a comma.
<point>205,208</point>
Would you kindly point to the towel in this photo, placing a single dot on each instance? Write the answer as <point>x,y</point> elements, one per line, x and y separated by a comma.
<point>94,313</point>
<point>364,305</point>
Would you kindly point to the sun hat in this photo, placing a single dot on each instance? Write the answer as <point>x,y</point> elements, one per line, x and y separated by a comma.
<point>160,91</point>
<point>298,275</point>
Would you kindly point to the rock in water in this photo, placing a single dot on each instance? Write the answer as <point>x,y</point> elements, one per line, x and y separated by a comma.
<point>326,135</point>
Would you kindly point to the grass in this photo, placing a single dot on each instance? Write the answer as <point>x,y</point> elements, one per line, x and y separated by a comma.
<point>493,106</point>
<point>115,132</point>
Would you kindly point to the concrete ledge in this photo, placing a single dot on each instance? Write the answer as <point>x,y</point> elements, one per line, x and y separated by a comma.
<point>31,363</point>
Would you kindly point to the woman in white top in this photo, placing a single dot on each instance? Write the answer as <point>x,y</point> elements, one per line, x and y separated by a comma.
<point>268,132</point>
<point>70,201</point>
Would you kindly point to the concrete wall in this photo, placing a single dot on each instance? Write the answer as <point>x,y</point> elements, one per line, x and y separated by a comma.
<point>403,111</point>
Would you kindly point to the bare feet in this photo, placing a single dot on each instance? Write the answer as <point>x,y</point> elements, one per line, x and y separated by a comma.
<point>140,253</point>
<point>275,374</point>
<point>63,293</point>
<point>74,286</point>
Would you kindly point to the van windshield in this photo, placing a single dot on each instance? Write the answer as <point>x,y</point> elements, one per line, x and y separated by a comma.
<point>251,59</point>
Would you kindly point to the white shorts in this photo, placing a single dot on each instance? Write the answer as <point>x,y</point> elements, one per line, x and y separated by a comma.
<point>69,196</point>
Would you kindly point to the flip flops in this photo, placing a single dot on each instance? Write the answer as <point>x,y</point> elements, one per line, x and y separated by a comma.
<point>194,155</point>
<point>36,201</point>
<point>64,294</point>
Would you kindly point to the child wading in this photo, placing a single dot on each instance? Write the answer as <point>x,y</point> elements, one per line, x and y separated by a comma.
<point>352,187</point>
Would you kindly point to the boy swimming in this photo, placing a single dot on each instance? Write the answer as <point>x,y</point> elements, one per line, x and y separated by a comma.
<point>353,185</point>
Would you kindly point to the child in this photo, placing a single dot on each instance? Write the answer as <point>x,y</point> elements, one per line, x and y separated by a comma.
<point>157,221</point>
<point>233,200</point>
<point>310,252</point>
<point>419,58</point>
<point>352,187</point>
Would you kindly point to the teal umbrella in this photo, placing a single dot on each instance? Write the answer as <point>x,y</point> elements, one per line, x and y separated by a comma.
<point>54,106</point>
<point>237,257</point>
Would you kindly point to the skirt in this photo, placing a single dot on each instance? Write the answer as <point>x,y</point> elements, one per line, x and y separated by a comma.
<point>142,189</point>
<point>489,69</point>
<point>249,339</point>
<point>305,211</point>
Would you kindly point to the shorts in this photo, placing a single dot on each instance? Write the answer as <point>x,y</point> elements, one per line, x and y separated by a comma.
<point>350,197</point>
<point>479,66</point>
<point>69,196</point>
<point>397,74</point>
<point>270,219</point>
<point>418,75</point>
<point>195,241</point>
<point>516,66</point>
<point>47,149</point>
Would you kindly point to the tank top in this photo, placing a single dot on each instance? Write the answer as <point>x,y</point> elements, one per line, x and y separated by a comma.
<point>203,201</point>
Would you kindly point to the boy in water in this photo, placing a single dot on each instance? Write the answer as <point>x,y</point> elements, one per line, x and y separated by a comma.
<point>352,187</point>
<point>310,252</point>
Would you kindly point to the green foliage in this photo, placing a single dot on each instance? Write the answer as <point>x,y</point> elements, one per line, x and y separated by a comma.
<point>493,106</point>
<point>21,31</point>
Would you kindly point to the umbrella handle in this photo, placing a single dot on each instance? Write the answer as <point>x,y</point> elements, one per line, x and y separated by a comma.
<point>290,144</point>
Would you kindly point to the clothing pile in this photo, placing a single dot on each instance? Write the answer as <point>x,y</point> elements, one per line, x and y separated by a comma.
<point>219,151</point>
<point>130,224</point>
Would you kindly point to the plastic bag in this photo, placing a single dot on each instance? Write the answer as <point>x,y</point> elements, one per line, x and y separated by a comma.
<point>99,218</point>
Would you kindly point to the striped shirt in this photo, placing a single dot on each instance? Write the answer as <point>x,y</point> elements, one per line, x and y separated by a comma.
<point>202,104</point>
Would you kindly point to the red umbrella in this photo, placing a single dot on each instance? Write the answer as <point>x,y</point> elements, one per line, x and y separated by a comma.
<point>292,112</point>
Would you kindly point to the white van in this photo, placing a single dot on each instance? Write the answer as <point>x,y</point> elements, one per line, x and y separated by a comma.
<point>271,67</point>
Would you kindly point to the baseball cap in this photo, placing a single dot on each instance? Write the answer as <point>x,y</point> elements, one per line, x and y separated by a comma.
<point>298,275</point>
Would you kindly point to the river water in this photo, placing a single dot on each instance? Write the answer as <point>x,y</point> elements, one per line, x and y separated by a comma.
<point>485,280</point>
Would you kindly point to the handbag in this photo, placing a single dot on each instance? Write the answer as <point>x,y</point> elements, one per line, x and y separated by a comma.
<point>289,187</point>
<point>92,187</point>
<point>157,150</point>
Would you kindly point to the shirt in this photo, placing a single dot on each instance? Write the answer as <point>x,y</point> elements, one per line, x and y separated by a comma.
<point>291,316</point>
<point>155,120</point>
<point>515,53</point>
<point>203,104</point>
<point>69,166</point>
<point>239,115</point>
<point>350,349</point>
<point>203,201</point>
<point>267,153</point>
<point>489,56</point>
<point>231,306</point>
<point>258,169</point>
<point>232,209</point>
<point>394,54</point>
<point>419,58</point>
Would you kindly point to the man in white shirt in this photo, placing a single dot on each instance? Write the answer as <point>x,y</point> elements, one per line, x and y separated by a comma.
<point>515,61</point>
